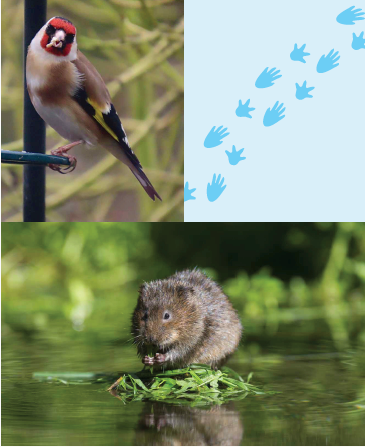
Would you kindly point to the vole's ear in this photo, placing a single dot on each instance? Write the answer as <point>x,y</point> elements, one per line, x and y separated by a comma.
<point>184,292</point>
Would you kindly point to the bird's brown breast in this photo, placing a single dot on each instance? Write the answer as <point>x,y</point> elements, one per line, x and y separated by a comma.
<point>51,82</point>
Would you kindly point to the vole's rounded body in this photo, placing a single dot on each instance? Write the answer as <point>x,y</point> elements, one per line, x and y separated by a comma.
<point>185,319</point>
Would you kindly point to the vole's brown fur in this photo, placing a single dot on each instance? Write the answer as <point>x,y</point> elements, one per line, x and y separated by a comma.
<point>202,326</point>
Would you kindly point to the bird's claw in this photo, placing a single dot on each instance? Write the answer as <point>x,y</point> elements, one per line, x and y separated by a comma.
<point>68,169</point>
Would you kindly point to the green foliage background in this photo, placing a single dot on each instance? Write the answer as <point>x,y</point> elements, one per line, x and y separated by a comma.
<point>83,277</point>
<point>137,46</point>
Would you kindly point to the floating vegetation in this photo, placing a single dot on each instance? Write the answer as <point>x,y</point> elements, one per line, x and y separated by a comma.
<point>74,378</point>
<point>195,385</point>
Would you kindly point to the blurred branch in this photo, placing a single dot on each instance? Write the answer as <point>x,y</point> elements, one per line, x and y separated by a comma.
<point>17,145</point>
<point>137,5</point>
<point>175,32</point>
<point>102,208</point>
<point>88,43</point>
<point>158,54</point>
<point>106,184</point>
<point>173,74</point>
<point>106,15</point>
<point>166,208</point>
<point>170,117</point>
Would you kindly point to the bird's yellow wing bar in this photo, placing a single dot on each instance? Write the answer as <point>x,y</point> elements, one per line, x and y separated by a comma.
<point>100,118</point>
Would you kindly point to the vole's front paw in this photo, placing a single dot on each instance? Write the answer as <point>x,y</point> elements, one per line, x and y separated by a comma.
<point>160,358</point>
<point>149,361</point>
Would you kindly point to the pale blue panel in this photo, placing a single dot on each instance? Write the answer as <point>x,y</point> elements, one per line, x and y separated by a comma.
<point>285,82</point>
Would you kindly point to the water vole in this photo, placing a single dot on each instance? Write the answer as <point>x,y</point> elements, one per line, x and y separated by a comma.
<point>185,319</point>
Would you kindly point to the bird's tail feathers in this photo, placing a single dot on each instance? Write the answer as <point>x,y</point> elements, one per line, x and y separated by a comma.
<point>124,153</point>
<point>143,180</point>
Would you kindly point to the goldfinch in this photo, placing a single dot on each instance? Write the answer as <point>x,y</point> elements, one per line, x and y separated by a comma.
<point>70,95</point>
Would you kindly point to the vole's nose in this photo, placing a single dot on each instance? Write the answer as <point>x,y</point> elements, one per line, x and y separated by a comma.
<point>151,339</point>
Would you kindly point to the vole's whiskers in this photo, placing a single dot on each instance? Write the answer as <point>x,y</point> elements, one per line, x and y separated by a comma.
<point>138,340</point>
<point>134,338</point>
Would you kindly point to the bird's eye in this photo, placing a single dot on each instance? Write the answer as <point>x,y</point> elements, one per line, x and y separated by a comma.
<point>70,38</point>
<point>145,316</point>
<point>50,30</point>
<point>166,316</point>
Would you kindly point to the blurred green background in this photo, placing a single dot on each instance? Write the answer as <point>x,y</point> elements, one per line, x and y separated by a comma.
<point>83,277</point>
<point>137,46</point>
<point>68,292</point>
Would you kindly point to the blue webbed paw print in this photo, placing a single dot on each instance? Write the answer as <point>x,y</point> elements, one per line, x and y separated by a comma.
<point>215,189</point>
<point>274,115</point>
<point>188,192</point>
<point>358,42</point>
<point>243,110</point>
<point>349,16</point>
<point>267,78</point>
<point>298,54</point>
<point>214,137</point>
<point>327,63</point>
<point>302,91</point>
<point>234,157</point>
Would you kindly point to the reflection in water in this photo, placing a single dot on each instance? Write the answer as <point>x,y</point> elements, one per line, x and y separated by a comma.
<point>162,424</point>
<point>321,400</point>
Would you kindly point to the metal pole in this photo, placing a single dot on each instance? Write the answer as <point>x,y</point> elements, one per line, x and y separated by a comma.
<point>34,188</point>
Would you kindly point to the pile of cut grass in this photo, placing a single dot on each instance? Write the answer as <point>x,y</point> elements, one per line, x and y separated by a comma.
<point>194,385</point>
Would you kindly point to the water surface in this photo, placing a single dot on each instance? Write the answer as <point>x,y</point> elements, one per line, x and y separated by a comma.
<point>321,399</point>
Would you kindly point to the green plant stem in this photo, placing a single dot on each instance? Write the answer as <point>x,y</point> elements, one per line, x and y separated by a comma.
<point>330,285</point>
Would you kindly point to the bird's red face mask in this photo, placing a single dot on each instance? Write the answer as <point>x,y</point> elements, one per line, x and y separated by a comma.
<point>58,37</point>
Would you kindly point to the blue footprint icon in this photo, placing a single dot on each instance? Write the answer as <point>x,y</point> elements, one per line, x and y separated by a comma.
<point>267,78</point>
<point>327,63</point>
<point>234,157</point>
<point>243,110</point>
<point>298,54</point>
<point>214,137</point>
<point>274,115</point>
<point>358,42</point>
<point>188,193</point>
<point>215,189</point>
<point>349,16</point>
<point>303,91</point>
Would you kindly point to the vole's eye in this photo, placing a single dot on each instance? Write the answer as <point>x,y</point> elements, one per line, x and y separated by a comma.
<point>145,316</point>
<point>166,316</point>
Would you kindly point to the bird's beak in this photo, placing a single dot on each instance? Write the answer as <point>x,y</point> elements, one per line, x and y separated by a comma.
<point>57,39</point>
